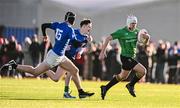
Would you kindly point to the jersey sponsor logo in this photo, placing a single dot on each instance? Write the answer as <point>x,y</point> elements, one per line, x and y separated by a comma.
<point>136,33</point>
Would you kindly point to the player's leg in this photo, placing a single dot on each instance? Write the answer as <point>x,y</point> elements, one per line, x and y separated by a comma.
<point>42,67</point>
<point>67,65</point>
<point>50,61</point>
<point>140,72</point>
<point>55,76</point>
<point>70,67</point>
<point>39,69</point>
<point>127,65</point>
<point>104,88</point>
<point>67,93</point>
<point>67,81</point>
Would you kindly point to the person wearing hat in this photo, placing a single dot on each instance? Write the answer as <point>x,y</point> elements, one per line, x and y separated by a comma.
<point>128,37</point>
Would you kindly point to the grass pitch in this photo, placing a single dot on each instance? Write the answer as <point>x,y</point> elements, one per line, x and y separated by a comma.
<point>28,93</point>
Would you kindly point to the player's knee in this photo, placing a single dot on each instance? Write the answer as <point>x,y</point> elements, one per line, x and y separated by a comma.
<point>124,77</point>
<point>121,77</point>
<point>118,77</point>
<point>68,76</point>
<point>76,70</point>
<point>36,72</point>
<point>56,79</point>
<point>145,71</point>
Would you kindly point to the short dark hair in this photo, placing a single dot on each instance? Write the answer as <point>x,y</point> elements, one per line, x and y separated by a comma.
<point>70,17</point>
<point>85,22</point>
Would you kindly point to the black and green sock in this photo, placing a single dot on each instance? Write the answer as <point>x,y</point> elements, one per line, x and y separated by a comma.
<point>134,80</point>
<point>66,89</point>
<point>112,83</point>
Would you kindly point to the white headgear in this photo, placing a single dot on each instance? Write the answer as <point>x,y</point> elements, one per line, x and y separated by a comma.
<point>131,19</point>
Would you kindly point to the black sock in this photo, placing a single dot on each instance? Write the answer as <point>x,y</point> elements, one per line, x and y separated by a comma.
<point>111,83</point>
<point>134,80</point>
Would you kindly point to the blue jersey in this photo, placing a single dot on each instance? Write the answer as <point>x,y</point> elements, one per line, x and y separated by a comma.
<point>76,44</point>
<point>63,34</point>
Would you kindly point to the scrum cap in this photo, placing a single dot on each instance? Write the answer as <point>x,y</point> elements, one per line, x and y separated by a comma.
<point>131,19</point>
<point>70,17</point>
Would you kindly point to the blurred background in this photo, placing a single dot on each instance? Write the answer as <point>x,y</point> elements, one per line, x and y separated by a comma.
<point>20,34</point>
<point>160,17</point>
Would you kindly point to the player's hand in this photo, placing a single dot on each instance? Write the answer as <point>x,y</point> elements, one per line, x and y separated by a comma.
<point>146,38</point>
<point>78,56</point>
<point>143,37</point>
<point>45,37</point>
<point>90,39</point>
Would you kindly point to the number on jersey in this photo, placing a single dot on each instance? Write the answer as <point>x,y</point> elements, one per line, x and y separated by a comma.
<point>58,34</point>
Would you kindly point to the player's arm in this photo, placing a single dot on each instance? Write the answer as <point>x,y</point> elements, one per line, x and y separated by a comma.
<point>44,27</point>
<point>101,56</point>
<point>147,37</point>
<point>80,52</point>
<point>90,38</point>
<point>76,43</point>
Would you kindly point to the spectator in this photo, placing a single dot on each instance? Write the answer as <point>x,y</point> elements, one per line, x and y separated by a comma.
<point>142,58</point>
<point>34,50</point>
<point>3,55</point>
<point>12,53</point>
<point>20,59</point>
<point>45,46</point>
<point>112,64</point>
<point>160,60</point>
<point>97,64</point>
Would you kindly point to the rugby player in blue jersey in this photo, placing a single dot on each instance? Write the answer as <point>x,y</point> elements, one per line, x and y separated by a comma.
<point>76,48</point>
<point>56,56</point>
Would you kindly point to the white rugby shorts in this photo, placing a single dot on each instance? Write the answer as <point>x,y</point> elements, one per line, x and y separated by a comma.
<point>52,59</point>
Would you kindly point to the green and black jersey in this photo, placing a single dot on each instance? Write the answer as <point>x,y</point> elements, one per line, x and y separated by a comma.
<point>127,40</point>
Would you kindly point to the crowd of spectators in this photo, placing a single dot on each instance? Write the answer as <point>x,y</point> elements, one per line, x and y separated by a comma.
<point>162,59</point>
